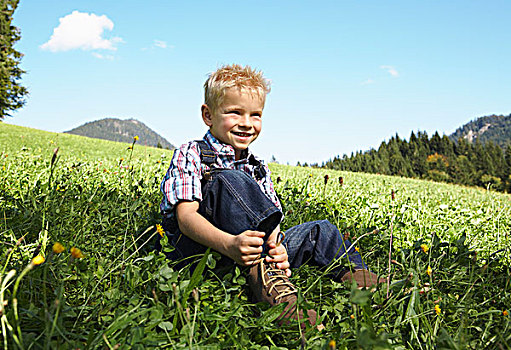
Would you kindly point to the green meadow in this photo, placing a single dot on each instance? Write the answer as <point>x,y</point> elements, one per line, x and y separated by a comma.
<point>445,249</point>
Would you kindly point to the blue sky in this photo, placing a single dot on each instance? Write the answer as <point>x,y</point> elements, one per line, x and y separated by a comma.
<point>345,74</point>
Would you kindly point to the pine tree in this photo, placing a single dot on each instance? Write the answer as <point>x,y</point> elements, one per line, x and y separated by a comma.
<point>447,147</point>
<point>413,138</point>
<point>462,148</point>
<point>397,164</point>
<point>507,167</point>
<point>424,141</point>
<point>12,94</point>
<point>435,144</point>
<point>383,163</point>
<point>418,157</point>
<point>463,171</point>
<point>507,164</point>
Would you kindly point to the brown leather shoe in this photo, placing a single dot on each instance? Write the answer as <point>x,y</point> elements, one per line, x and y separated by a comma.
<point>271,285</point>
<point>363,278</point>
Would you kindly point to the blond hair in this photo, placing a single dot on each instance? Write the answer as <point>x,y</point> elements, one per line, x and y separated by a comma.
<point>233,76</point>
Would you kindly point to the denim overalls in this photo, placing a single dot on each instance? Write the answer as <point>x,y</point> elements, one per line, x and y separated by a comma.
<point>233,202</point>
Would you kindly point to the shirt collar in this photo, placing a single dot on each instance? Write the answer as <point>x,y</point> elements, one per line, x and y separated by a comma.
<point>225,149</point>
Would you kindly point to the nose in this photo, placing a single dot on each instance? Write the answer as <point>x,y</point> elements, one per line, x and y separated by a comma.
<point>245,121</point>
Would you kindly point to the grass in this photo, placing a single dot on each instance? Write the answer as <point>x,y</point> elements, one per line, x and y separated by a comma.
<point>102,198</point>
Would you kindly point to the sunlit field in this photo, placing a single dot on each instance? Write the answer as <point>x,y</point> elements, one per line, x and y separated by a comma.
<point>445,249</point>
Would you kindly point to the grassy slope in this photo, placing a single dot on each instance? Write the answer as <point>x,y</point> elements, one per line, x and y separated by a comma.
<point>21,139</point>
<point>124,293</point>
<point>421,208</point>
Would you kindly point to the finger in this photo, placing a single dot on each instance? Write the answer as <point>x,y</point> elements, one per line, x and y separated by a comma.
<point>276,258</point>
<point>254,241</point>
<point>271,244</point>
<point>277,251</point>
<point>288,272</point>
<point>250,257</point>
<point>283,265</point>
<point>250,240</point>
<point>249,260</point>
<point>251,250</point>
<point>251,233</point>
<point>280,257</point>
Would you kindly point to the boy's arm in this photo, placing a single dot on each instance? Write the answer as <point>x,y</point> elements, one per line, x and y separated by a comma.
<point>244,248</point>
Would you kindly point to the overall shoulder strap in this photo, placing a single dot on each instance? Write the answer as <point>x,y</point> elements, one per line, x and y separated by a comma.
<point>259,171</point>
<point>207,155</point>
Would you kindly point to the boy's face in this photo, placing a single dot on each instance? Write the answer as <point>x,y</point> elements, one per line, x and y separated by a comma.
<point>237,120</point>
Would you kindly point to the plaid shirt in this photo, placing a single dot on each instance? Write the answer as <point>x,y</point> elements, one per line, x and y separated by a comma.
<point>182,180</point>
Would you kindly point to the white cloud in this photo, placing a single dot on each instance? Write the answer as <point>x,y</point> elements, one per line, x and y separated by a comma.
<point>392,71</point>
<point>81,30</point>
<point>367,82</point>
<point>103,57</point>
<point>160,44</point>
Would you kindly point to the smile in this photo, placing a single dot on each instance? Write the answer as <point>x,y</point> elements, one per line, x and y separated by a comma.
<point>241,134</point>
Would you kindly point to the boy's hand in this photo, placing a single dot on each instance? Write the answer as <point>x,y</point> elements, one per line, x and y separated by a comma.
<point>247,247</point>
<point>278,255</point>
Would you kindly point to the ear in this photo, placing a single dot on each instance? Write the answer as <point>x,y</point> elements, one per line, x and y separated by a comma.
<point>206,114</point>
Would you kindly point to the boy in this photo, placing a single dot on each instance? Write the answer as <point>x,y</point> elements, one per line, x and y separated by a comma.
<point>217,194</point>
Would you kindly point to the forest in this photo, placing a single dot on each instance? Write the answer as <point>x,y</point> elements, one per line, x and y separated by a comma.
<point>435,158</point>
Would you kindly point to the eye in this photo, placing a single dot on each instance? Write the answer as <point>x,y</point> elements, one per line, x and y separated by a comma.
<point>233,112</point>
<point>257,115</point>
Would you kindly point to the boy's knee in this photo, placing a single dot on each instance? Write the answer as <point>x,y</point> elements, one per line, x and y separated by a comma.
<point>236,179</point>
<point>327,226</point>
<point>322,230</point>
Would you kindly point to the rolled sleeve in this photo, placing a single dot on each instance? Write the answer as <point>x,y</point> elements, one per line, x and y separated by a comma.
<point>182,180</point>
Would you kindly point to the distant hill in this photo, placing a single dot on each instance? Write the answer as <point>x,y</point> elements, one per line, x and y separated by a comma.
<point>122,131</point>
<point>494,128</point>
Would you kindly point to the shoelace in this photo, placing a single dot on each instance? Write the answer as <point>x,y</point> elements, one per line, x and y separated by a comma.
<point>281,283</point>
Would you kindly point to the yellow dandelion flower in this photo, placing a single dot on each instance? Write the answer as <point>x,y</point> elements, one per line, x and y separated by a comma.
<point>357,249</point>
<point>76,253</point>
<point>58,248</point>
<point>352,316</point>
<point>424,248</point>
<point>135,138</point>
<point>505,313</point>
<point>438,310</point>
<point>429,271</point>
<point>38,260</point>
<point>331,344</point>
<point>160,230</point>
